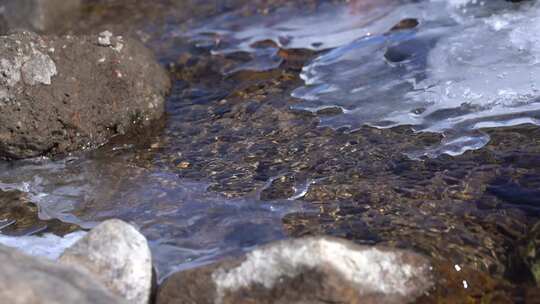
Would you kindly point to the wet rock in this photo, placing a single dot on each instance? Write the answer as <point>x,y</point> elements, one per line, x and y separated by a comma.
<point>118,256</point>
<point>307,270</point>
<point>60,94</point>
<point>14,207</point>
<point>405,24</point>
<point>104,38</point>
<point>19,216</point>
<point>28,280</point>
<point>527,256</point>
<point>37,15</point>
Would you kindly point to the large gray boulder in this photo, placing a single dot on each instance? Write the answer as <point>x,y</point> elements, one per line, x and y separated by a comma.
<point>29,280</point>
<point>118,256</point>
<point>307,270</point>
<point>37,15</point>
<point>60,94</point>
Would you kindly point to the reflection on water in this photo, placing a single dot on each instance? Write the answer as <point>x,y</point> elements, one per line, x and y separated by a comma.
<point>468,65</point>
<point>185,224</point>
<point>430,72</point>
<point>323,26</point>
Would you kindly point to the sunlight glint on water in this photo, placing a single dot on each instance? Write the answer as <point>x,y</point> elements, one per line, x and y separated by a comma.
<point>470,64</point>
<point>466,67</point>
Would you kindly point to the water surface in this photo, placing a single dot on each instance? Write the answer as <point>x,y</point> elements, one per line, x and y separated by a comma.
<point>295,118</point>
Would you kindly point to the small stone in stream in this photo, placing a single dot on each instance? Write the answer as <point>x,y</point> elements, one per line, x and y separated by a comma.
<point>330,111</point>
<point>29,280</point>
<point>118,256</point>
<point>307,270</point>
<point>183,165</point>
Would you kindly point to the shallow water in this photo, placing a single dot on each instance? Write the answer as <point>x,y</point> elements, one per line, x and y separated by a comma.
<point>468,65</point>
<point>317,27</point>
<point>464,68</point>
<point>240,162</point>
<point>47,245</point>
<point>185,224</point>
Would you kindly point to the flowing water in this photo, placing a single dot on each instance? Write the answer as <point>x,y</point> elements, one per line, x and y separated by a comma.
<point>185,224</point>
<point>465,68</point>
<point>295,117</point>
<point>468,65</point>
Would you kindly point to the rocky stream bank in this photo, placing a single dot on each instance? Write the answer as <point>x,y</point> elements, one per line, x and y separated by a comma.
<point>87,103</point>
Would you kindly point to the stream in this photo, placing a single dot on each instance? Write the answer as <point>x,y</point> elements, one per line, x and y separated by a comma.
<point>402,123</point>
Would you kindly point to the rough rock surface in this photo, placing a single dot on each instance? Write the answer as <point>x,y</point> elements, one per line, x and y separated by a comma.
<point>28,280</point>
<point>118,256</point>
<point>37,15</point>
<point>307,270</point>
<point>59,94</point>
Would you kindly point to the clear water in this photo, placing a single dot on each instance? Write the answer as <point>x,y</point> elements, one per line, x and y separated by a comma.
<point>469,65</point>
<point>185,224</point>
<point>48,245</point>
<point>466,67</point>
<point>321,27</point>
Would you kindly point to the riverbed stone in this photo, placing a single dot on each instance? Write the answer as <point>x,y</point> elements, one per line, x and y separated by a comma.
<point>37,15</point>
<point>306,270</point>
<point>29,280</point>
<point>61,94</point>
<point>19,216</point>
<point>118,256</point>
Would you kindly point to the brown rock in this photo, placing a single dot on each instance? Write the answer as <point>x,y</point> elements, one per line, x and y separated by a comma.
<point>307,270</point>
<point>60,94</point>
